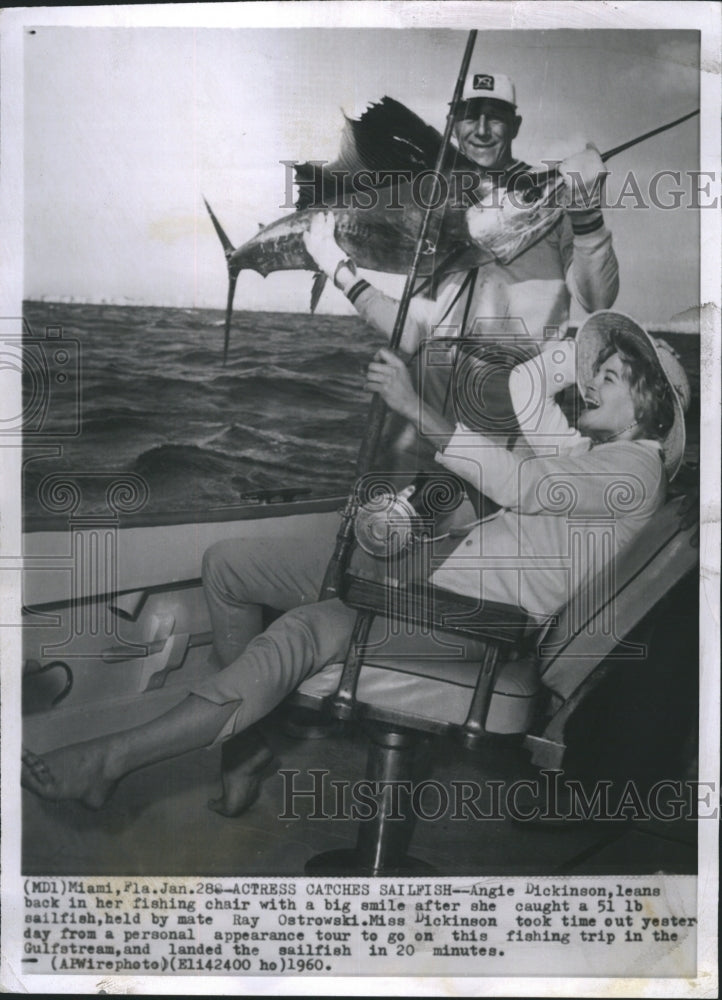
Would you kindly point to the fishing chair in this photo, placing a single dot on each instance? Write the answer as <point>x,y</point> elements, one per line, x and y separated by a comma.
<point>529,681</point>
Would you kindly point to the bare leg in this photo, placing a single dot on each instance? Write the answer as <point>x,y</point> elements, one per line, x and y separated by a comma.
<point>243,760</point>
<point>268,668</point>
<point>90,771</point>
<point>272,666</point>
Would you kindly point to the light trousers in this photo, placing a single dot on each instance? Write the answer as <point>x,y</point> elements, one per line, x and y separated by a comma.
<point>261,668</point>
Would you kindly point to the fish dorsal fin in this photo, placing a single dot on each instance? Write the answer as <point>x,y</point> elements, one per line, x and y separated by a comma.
<point>387,137</point>
<point>319,283</point>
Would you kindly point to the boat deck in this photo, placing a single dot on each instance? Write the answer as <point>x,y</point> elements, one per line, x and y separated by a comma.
<point>157,823</point>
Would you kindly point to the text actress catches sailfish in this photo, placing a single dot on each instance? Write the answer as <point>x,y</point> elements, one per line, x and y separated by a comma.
<point>387,176</point>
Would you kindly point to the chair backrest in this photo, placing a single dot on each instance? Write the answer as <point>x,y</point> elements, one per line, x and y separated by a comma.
<point>590,630</point>
<point>593,626</point>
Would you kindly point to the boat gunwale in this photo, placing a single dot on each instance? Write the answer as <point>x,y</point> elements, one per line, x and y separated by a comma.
<point>38,523</point>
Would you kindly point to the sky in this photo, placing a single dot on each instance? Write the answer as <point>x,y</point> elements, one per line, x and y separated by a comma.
<point>126,128</point>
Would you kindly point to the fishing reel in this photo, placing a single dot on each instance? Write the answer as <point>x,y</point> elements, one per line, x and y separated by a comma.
<point>388,522</point>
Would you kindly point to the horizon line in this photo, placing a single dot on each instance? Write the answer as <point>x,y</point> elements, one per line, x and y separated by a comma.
<point>656,324</point>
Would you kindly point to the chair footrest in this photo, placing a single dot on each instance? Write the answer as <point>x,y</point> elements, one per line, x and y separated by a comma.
<point>545,752</point>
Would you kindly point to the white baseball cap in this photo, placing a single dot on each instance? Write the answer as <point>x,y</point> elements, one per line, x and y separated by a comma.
<point>489,86</point>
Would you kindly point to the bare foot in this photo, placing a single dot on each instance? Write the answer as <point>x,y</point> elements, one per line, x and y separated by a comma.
<point>244,758</point>
<point>79,771</point>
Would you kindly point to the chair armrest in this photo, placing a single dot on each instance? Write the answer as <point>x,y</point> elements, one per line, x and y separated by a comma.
<point>423,604</point>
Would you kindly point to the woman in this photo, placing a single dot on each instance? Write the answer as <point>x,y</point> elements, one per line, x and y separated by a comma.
<point>612,468</point>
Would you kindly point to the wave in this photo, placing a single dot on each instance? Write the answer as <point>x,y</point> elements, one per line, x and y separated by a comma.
<point>115,423</point>
<point>181,458</point>
<point>247,435</point>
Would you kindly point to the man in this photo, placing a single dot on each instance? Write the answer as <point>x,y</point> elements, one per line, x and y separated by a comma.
<point>494,307</point>
<point>575,258</point>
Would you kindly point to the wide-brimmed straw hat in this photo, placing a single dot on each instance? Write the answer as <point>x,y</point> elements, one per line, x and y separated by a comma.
<point>593,335</point>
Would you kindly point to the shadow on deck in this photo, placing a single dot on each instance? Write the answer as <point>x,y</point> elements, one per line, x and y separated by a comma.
<point>157,822</point>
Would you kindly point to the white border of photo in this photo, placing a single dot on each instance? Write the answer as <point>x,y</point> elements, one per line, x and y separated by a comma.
<point>488,16</point>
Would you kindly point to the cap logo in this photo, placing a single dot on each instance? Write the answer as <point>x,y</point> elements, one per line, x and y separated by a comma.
<point>482,81</point>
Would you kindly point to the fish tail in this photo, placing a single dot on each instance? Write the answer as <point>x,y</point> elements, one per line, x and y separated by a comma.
<point>233,272</point>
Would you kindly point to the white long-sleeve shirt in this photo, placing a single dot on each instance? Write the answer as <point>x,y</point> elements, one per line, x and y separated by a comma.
<point>531,294</point>
<point>568,507</point>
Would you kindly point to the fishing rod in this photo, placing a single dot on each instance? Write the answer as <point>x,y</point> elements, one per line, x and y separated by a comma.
<point>534,179</point>
<point>377,409</point>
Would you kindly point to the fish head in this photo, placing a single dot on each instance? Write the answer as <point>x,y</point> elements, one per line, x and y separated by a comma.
<point>509,220</point>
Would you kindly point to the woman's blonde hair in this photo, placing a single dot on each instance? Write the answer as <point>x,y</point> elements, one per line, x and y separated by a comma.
<point>651,393</point>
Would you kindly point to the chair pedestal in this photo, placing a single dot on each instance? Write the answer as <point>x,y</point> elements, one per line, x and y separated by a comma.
<point>383,839</point>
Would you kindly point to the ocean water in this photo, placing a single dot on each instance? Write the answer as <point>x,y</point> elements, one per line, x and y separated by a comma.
<point>287,411</point>
<point>144,390</point>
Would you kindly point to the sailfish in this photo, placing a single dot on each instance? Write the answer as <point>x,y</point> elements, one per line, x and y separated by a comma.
<point>476,218</point>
